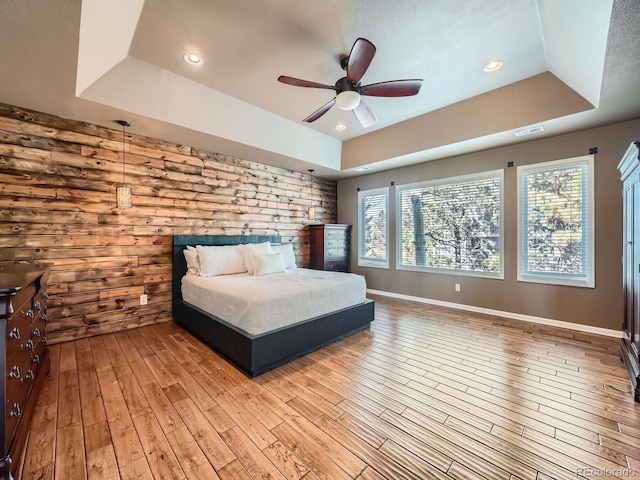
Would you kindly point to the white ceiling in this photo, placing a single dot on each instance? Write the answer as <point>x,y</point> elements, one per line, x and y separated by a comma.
<point>99,60</point>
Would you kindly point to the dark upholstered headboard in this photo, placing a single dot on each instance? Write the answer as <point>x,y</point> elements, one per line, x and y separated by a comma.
<point>181,241</point>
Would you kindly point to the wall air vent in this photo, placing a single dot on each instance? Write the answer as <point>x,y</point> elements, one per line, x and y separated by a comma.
<point>529,131</point>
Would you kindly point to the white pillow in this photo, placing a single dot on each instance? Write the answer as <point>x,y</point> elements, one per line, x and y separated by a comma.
<point>288,256</point>
<point>191,256</point>
<point>267,264</point>
<point>220,260</point>
<point>249,249</point>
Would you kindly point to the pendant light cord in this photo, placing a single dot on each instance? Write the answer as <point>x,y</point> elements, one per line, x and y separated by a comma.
<point>124,124</point>
<point>123,147</point>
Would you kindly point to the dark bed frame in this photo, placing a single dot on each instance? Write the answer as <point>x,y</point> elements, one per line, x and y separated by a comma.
<point>256,354</point>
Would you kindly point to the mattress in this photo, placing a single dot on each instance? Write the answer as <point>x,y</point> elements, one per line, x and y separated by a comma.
<point>262,304</point>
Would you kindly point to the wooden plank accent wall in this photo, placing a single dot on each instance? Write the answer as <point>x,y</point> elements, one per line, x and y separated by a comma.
<point>57,205</point>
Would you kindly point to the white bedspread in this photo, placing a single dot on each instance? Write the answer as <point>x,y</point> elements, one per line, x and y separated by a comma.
<point>261,304</point>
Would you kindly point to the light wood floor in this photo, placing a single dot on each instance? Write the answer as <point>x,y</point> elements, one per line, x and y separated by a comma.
<point>426,393</point>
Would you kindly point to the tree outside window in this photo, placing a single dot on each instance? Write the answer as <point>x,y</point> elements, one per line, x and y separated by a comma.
<point>452,225</point>
<point>556,222</point>
<point>373,248</point>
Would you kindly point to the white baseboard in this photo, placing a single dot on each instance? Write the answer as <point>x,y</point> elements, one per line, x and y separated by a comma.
<point>516,316</point>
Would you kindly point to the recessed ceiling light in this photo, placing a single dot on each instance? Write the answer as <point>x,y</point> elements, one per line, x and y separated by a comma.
<point>192,58</point>
<point>492,66</point>
<point>362,169</point>
<point>340,127</point>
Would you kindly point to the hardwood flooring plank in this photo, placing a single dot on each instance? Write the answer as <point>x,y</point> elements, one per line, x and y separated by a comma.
<point>68,398</point>
<point>159,371</point>
<point>40,449</point>
<point>413,462</point>
<point>125,441</point>
<point>136,470</point>
<point>234,471</point>
<point>372,456</point>
<point>70,462</point>
<point>162,407</point>
<point>162,460</point>
<point>252,459</point>
<point>91,406</point>
<point>466,450</point>
<point>137,403</point>
<point>257,432</point>
<point>101,464</point>
<point>116,355</point>
<point>322,441</point>
<point>67,356</point>
<point>285,461</point>
<point>316,461</point>
<point>208,439</point>
<point>193,462</point>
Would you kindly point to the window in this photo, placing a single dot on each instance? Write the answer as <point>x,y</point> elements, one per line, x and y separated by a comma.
<point>555,211</point>
<point>452,225</point>
<point>373,250</point>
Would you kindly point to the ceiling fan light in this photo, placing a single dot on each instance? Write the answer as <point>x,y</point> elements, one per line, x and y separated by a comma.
<point>348,100</point>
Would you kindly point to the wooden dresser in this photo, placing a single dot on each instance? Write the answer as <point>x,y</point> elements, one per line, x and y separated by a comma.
<point>330,247</point>
<point>25,362</point>
<point>630,344</point>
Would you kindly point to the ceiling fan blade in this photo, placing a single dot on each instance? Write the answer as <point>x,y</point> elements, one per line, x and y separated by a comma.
<point>365,115</point>
<point>296,82</point>
<point>393,88</point>
<point>321,111</point>
<point>360,58</point>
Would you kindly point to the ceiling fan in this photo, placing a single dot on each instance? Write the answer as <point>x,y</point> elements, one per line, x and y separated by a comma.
<point>349,90</point>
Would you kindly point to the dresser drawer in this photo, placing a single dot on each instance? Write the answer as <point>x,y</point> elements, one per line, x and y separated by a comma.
<point>337,265</point>
<point>335,253</point>
<point>15,406</point>
<point>336,243</point>
<point>335,235</point>
<point>20,377</point>
<point>21,326</point>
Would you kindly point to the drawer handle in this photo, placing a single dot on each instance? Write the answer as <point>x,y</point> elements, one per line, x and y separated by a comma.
<point>29,344</point>
<point>36,359</point>
<point>36,332</point>
<point>16,410</point>
<point>15,372</point>
<point>30,313</point>
<point>37,305</point>
<point>44,317</point>
<point>45,294</point>
<point>15,333</point>
<point>30,375</point>
<point>43,340</point>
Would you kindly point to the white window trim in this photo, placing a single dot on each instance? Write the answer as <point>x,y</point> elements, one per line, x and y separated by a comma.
<point>365,262</point>
<point>558,279</point>
<point>442,181</point>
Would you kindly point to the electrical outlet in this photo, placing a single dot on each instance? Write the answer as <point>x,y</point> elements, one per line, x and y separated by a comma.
<point>457,286</point>
<point>143,299</point>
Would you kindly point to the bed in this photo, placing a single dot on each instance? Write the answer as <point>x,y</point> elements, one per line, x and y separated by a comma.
<point>255,349</point>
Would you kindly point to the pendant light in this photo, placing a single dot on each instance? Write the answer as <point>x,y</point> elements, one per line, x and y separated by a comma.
<point>123,192</point>
<point>311,211</point>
